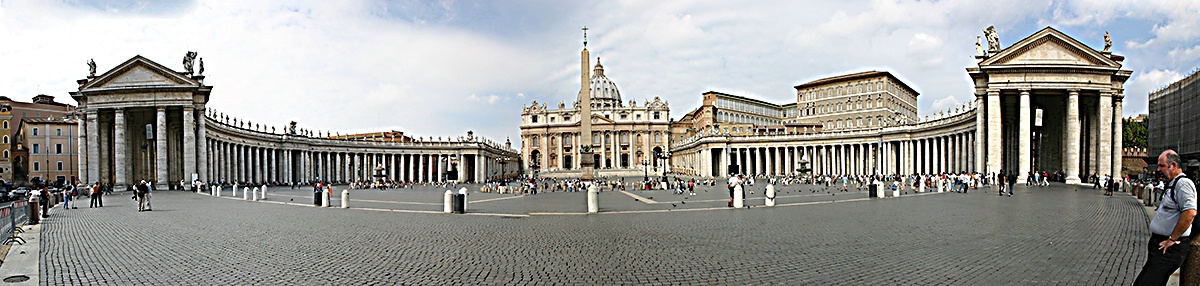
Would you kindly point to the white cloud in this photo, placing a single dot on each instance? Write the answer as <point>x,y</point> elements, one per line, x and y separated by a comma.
<point>351,66</point>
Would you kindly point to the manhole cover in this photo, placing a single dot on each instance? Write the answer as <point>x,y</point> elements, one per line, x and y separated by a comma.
<point>16,278</point>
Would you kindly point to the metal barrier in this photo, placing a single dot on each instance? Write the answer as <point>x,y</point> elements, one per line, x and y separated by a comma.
<point>17,213</point>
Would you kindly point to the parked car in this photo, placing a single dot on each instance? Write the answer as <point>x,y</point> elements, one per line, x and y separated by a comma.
<point>19,194</point>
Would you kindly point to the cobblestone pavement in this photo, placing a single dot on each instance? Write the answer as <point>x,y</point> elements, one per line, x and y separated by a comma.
<point>1042,236</point>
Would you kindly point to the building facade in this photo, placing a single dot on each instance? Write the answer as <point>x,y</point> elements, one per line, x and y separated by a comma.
<point>1172,121</point>
<point>1046,103</point>
<point>144,121</point>
<point>857,101</point>
<point>11,114</point>
<point>47,151</point>
<point>626,137</point>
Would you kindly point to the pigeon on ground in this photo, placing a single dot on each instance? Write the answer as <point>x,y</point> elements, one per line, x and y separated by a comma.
<point>636,200</point>
<point>650,198</point>
<point>683,203</point>
<point>672,205</point>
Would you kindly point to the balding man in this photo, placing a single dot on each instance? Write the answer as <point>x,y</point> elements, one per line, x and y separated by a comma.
<point>1171,228</point>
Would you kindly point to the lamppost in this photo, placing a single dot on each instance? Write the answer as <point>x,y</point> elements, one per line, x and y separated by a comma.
<point>534,167</point>
<point>645,168</point>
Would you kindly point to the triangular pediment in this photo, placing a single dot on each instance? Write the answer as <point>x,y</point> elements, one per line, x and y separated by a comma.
<point>139,72</point>
<point>1050,47</point>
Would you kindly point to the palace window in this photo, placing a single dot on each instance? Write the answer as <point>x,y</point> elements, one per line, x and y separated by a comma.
<point>37,166</point>
<point>60,165</point>
<point>535,118</point>
<point>625,138</point>
<point>5,139</point>
<point>566,140</point>
<point>35,131</point>
<point>57,148</point>
<point>566,118</point>
<point>5,153</point>
<point>535,141</point>
<point>624,116</point>
<point>58,132</point>
<point>6,124</point>
<point>595,138</point>
<point>657,138</point>
<point>656,115</point>
<point>607,139</point>
<point>36,148</point>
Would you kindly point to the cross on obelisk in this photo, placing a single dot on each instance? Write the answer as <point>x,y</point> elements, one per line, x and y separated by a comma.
<point>585,114</point>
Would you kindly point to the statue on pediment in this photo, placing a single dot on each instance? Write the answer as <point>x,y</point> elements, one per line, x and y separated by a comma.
<point>201,71</point>
<point>292,128</point>
<point>188,59</point>
<point>992,38</point>
<point>1107,42</point>
<point>979,46</point>
<point>92,65</point>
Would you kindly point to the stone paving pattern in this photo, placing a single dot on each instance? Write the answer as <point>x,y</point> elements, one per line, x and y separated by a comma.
<point>1042,236</point>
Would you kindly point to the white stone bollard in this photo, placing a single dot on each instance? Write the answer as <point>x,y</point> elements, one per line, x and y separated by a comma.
<point>245,193</point>
<point>593,198</point>
<point>739,199</point>
<point>463,192</point>
<point>346,198</point>
<point>212,191</point>
<point>325,197</point>
<point>770,195</point>
<point>446,201</point>
<point>254,194</point>
<point>263,192</point>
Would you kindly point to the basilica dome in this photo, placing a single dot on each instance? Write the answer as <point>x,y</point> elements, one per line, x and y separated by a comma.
<point>604,92</point>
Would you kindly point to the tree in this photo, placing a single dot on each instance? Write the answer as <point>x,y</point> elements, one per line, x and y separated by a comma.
<point>1134,133</point>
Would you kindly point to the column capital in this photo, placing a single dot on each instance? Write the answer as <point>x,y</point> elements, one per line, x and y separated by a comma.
<point>1073,90</point>
<point>1024,91</point>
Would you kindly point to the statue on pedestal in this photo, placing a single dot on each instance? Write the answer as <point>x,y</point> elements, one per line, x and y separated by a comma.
<point>92,64</point>
<point>992,39</point>
<point>979,47</point>
<point>188,59</point>
<point>1107,42</point>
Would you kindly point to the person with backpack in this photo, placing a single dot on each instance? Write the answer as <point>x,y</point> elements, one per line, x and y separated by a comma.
<point>1171,227</point>
<point>140,194</point>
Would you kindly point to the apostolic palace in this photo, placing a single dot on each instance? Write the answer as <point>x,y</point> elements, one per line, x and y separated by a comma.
<point>1045,103</point>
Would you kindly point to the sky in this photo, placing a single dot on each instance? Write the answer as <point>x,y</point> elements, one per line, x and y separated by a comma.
<point>441,68</point>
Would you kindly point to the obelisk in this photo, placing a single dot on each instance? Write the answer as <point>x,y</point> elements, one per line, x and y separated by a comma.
<point>585,114</point>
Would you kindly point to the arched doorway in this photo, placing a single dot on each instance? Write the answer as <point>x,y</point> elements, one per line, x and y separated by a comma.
<point>657,154</point>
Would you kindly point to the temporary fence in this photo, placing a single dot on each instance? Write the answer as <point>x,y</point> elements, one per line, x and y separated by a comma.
<point>17,213</point>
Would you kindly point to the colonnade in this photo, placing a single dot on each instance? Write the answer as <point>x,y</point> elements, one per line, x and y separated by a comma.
<point>254,163</point>
<point>949,150</point>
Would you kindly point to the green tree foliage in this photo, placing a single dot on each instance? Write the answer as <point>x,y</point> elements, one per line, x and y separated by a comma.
<point>1134,134</point>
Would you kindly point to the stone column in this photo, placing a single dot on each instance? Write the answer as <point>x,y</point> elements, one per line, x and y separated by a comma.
<point>93,146</point>
<point>189,143</point>
<point>160,150</point>
<point>119,161</point>
<point>82,166</point>
<point>994,139</point>
<point>1023,140</point>
<point>1072,138</point>
<point>1105,144</point>
<point>1118,144</point>
<point>203,141</point>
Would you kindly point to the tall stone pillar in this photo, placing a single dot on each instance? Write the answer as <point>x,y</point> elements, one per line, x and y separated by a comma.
<point>160,150</point>
<point>1118,139</point>
<point>1105,145</point>
<point>1071,163</point>
<point>1023,140</point>
<point>120,163</point>
<point>93,146</point>
<point>202,133</point>
<point>82,166</point>
<point>189,143</point>
<point>993,147</point>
